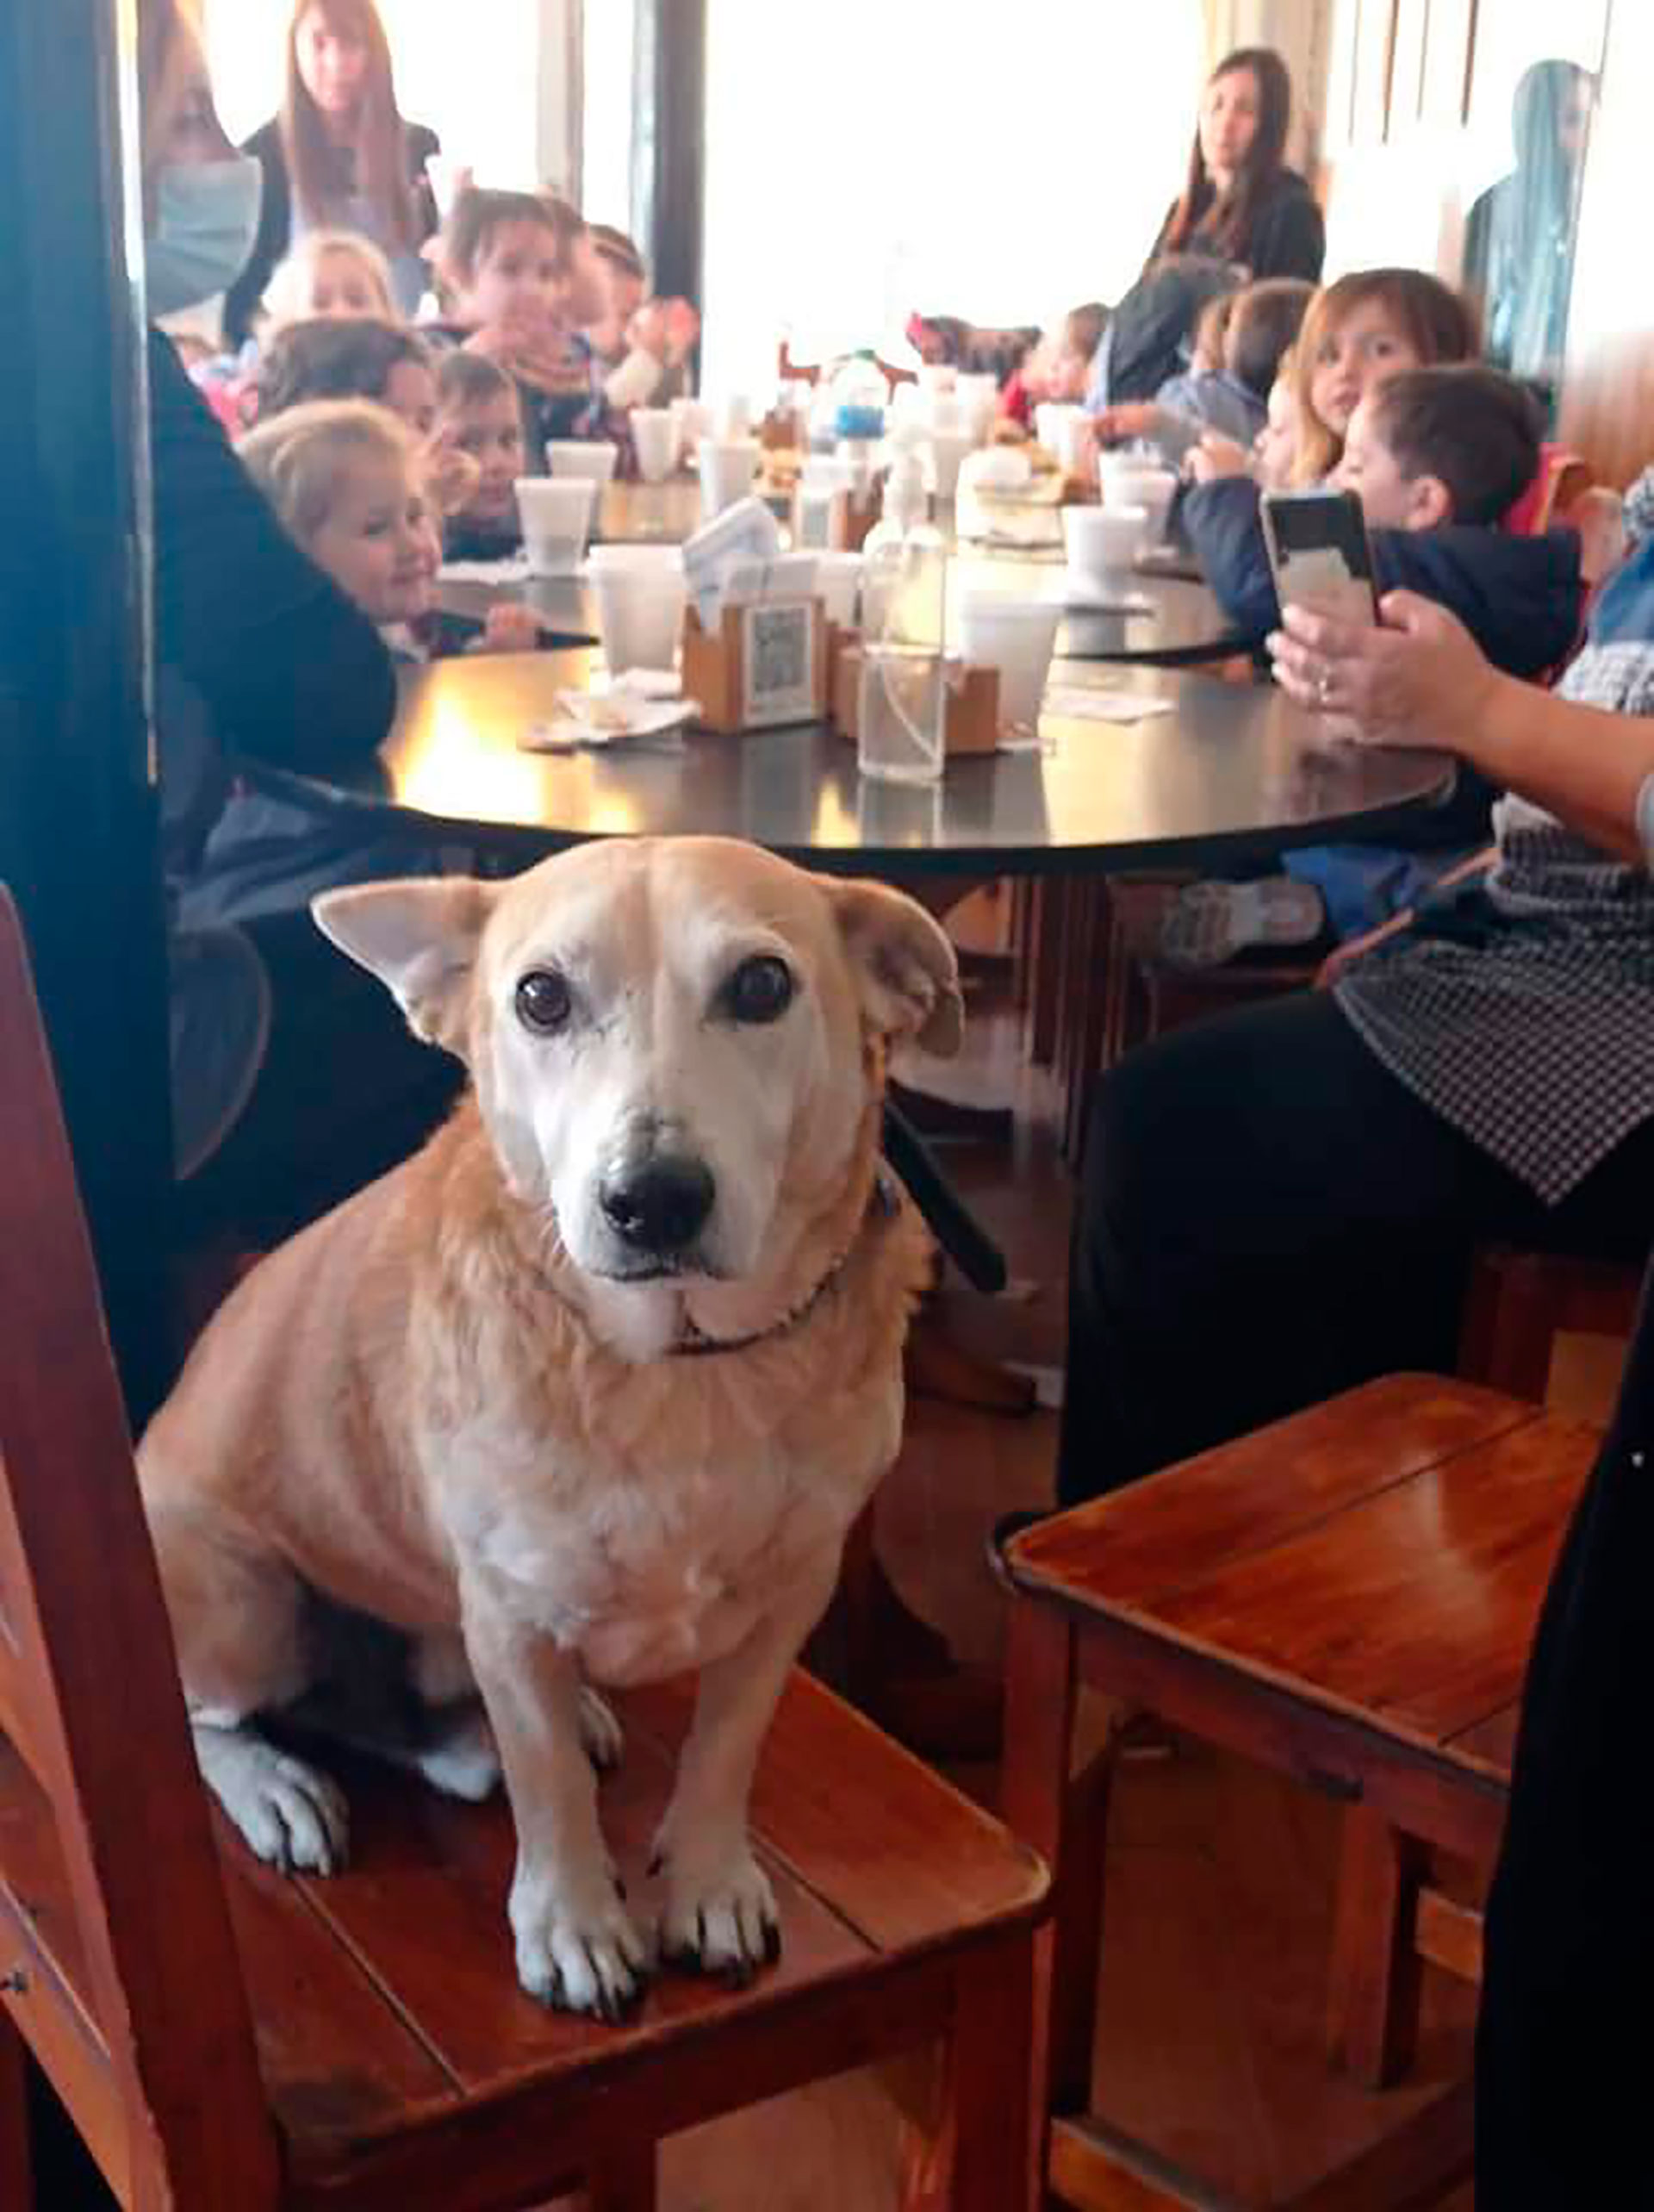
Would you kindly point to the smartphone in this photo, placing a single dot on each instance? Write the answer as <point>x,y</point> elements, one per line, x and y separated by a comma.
<point>1318,552</point>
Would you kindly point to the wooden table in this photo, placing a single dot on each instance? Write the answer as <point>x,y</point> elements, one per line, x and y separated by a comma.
<point>1348,1595</point>
<point>1233,772</point>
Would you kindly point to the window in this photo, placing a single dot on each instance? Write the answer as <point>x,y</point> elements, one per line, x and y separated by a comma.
<point>478,87</point>
<point>920,159</point>
<point>607,40</point>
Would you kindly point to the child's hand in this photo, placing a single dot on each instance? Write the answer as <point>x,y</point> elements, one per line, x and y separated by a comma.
<point>1214,456</point>
<point>648,329</point>
<point>451,475</point>
<point>510,627</point>
<point>682,330</point>
<point>1131,419</point>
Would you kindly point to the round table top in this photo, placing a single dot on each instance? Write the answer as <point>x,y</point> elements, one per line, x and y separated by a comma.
<point>1174,621</point>
<point>1231,771</point>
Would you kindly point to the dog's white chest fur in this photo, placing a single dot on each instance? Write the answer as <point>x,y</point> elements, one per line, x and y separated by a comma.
<point>672,1566</point>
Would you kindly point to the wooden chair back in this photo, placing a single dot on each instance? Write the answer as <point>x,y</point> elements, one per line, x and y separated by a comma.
<point>117,1960</point>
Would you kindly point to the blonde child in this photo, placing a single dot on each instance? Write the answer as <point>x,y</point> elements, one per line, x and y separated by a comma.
<point>1375,324</point>
<point>1360,332</point>
<point>346,479</point>
<point>329,272</point>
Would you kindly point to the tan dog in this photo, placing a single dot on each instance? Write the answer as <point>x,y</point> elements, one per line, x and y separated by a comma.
<point>590,1390</point>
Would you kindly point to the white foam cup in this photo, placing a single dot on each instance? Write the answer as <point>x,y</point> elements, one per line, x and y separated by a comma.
<point>654,441</point>
<point>1018,637</point>
<point>556,518</point>
<point>727,467</point>
<point>639,592</point>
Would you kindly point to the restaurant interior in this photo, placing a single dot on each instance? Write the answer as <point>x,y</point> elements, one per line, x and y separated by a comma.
<point>828,850</point>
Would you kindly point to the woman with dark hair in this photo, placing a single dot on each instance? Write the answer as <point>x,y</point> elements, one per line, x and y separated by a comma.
<point>1519,240</point>
<point>339,155</point>
<point>1242,214</point>
<point>1241,203</point>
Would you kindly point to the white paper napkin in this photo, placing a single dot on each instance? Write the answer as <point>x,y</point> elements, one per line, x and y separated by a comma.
<point>1096,705</point>
<point>511,568</point>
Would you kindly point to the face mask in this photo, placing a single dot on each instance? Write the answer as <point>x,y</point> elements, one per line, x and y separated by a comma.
<point>207,219</point>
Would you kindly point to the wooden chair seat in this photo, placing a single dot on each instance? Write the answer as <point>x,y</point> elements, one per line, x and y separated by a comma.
<point>225,2037</point>
<point>1349,1597</point>
<point>388,2024</point>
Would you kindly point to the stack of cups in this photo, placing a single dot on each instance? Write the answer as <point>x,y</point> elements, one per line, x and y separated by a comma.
<point>727,467</point>
<point>556,518</point>
<point>640,593</point>
<point>1018,637</point>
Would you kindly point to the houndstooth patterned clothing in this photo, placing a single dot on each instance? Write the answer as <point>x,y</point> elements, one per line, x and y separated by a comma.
<point>1522,1009</point>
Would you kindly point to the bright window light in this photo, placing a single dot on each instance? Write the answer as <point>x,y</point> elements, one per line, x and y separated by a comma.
<point>938,155</point>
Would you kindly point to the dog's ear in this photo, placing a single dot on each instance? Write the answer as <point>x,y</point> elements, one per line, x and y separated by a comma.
<point>908,974</point>
<point>419,936</point>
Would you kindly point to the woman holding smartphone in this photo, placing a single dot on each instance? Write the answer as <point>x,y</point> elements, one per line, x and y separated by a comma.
<point>1569,1937</point>
<point>1283,1202</point>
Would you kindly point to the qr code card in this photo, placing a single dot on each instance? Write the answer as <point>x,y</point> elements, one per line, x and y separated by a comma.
<point>778,661</point>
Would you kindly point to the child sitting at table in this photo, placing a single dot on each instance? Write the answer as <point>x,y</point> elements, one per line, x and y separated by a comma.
<point>364,358</point>
<point>1437,457</point>
<point>345,478</point>
<point>1274,456</point>
<point>1058,367</point>
<point>479,419</point>
<point>1361,330</point>
<point>640,347</point>
<point>348,482</point>
<point>1240,343</point>
<point>520,278</point>
<point>329,272</point>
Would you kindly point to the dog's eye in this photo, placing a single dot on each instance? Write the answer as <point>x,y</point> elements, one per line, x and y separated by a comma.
<point>542,1000</point>
<point>760,989</point>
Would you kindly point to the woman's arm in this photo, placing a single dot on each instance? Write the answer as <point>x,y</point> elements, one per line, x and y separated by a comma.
<point>1419,680</point>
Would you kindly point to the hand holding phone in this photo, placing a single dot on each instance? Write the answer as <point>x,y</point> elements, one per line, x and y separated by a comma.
<point>1319,554</point>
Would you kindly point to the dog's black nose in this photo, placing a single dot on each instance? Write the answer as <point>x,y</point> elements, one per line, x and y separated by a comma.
<point>659,1206</point>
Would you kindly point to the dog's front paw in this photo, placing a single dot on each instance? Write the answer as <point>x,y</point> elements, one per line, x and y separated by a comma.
<point>576,1950</point>
<point>599,1731</point>
<point>720,1915</point>
<point>289,1814</point>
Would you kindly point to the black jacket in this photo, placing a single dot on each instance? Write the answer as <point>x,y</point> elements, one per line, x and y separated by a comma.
<point>275,218</point>
<point>257,651</point>
<point>1521,598</point>
<point>1288,237</point>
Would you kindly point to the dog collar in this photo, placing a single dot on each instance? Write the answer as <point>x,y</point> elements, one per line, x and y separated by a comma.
<point>884,1203</point>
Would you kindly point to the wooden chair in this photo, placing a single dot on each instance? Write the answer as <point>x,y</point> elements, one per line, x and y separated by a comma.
<point>1519,1303</point>
<point>223,2037</point>
<point>1349,1597</point>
